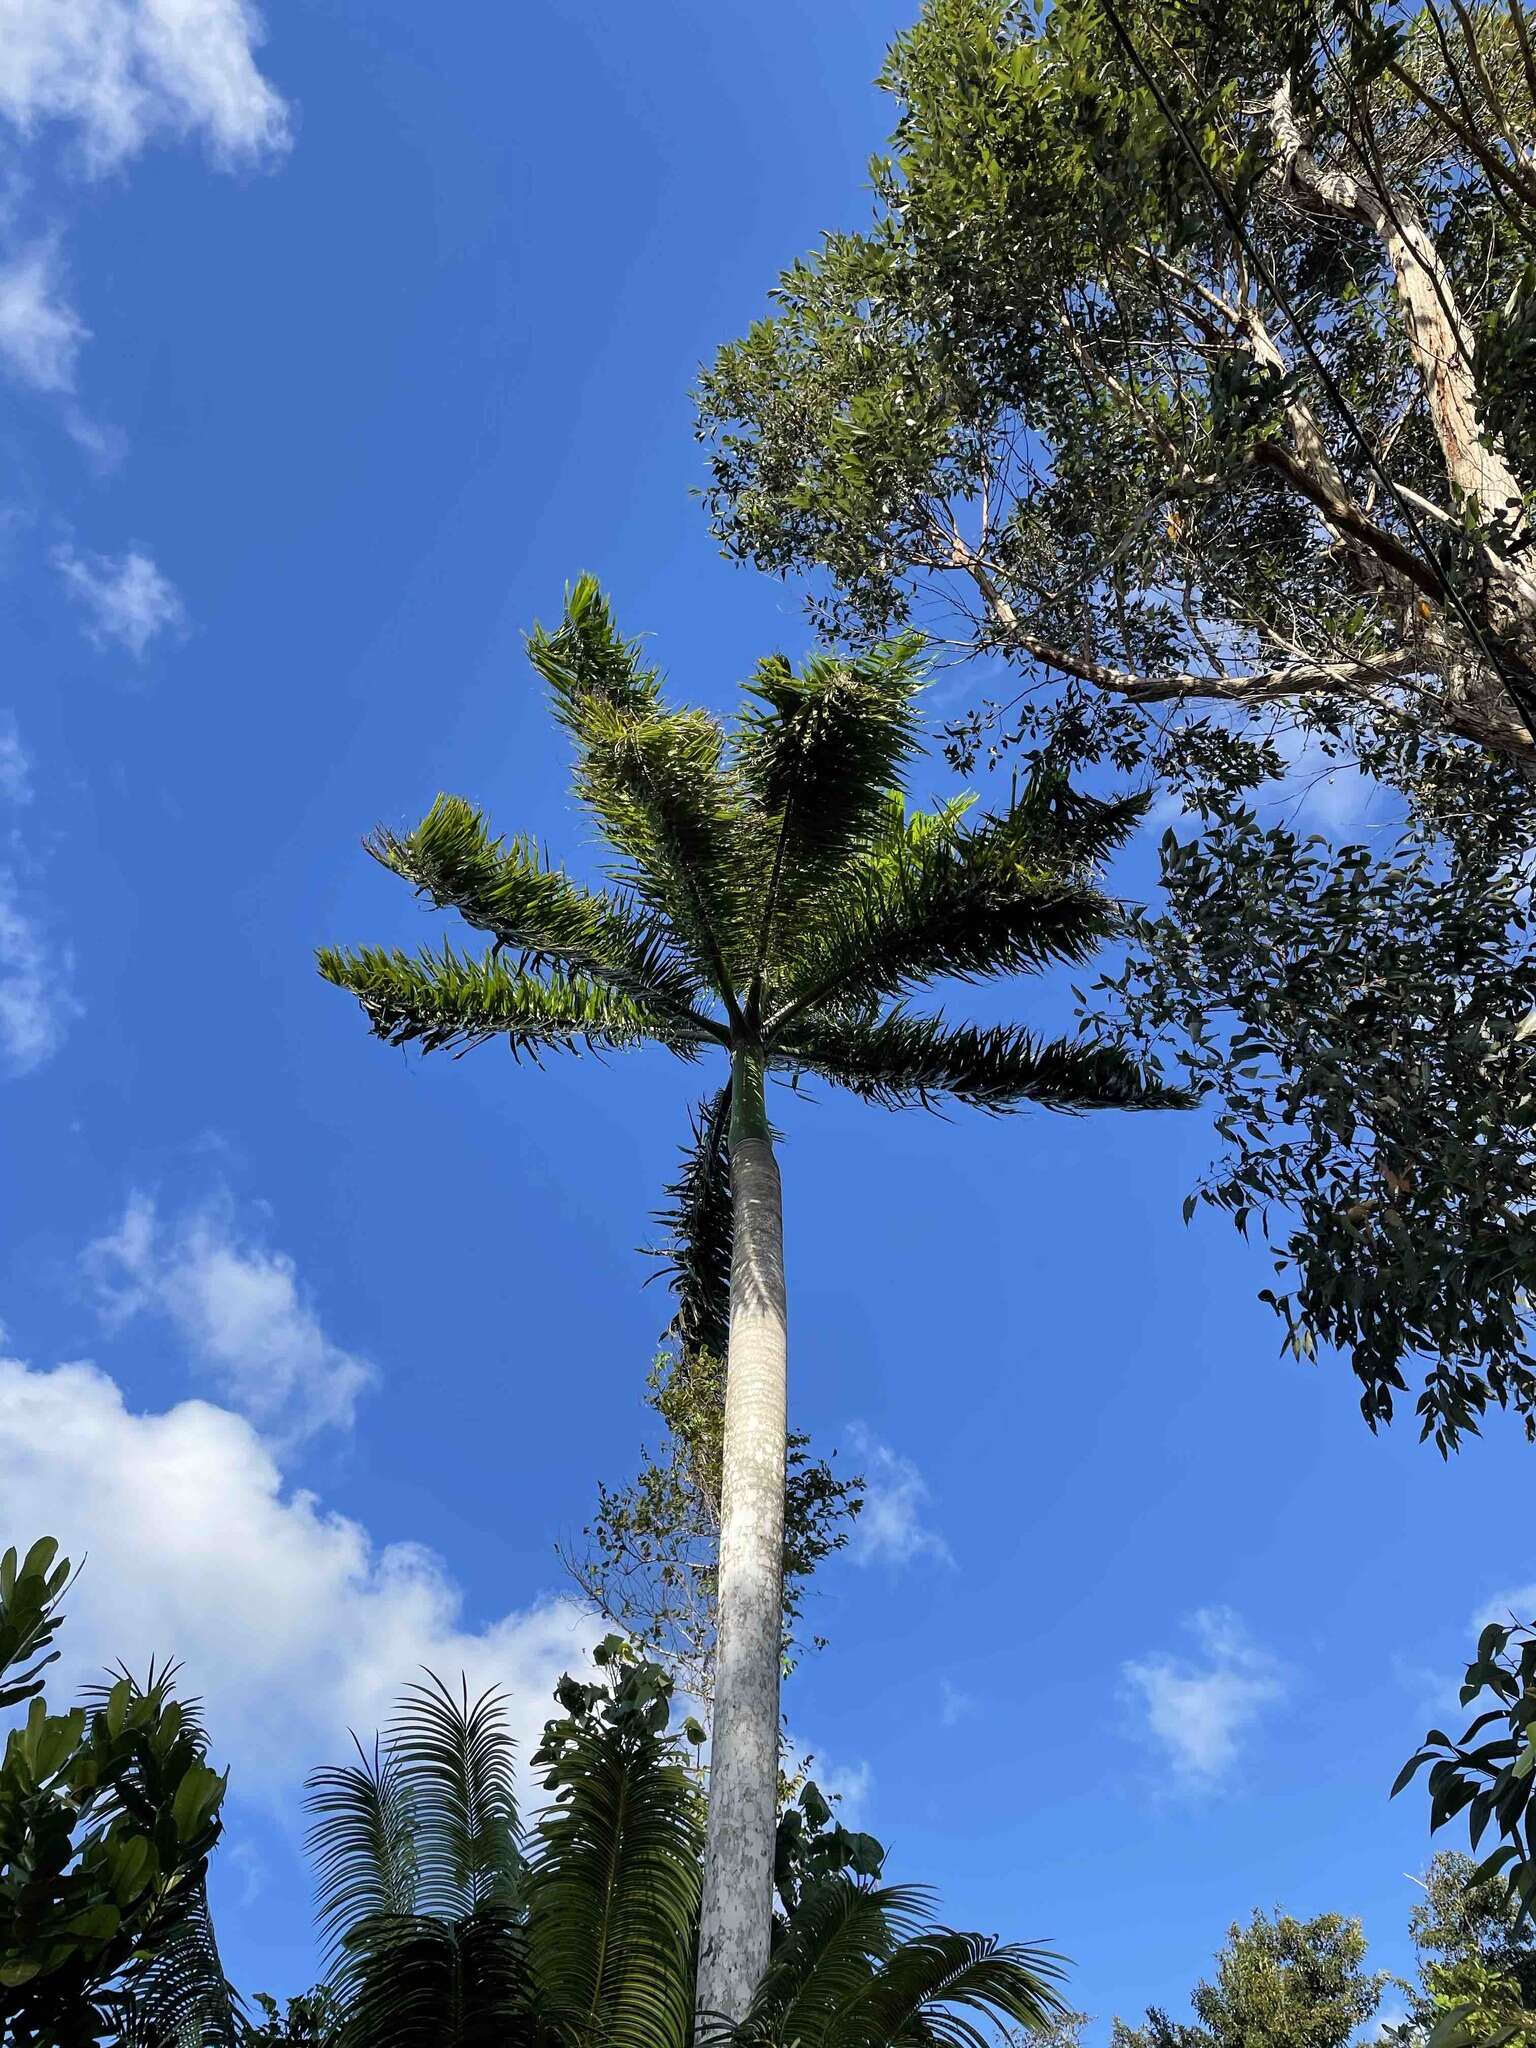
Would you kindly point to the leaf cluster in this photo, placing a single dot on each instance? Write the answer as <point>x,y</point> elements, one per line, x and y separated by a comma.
<point>108,1813</point>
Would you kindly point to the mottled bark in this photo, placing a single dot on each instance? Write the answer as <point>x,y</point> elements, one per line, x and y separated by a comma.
<point>744,1759</point>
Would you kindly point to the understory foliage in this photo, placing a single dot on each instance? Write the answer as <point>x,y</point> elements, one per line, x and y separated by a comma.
<point>108,1813</point>
<point>449,1923</point>
<point>649,1563</point>
<point>1182,383</point>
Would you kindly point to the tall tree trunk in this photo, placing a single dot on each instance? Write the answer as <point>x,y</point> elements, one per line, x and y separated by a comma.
<point>737,1909</point>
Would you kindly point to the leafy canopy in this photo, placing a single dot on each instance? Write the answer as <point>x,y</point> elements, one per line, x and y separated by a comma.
<point>1279,1983</point>
<point>1184,374</point>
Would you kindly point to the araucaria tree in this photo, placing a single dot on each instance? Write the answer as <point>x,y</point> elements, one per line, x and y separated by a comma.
<point>1187,371</point>
<point>772,901</point>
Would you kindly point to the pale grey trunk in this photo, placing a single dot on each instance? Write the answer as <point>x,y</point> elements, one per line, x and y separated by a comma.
<point>744,1768</point>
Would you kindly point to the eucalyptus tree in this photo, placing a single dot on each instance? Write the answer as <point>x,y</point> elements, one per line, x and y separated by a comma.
<point>1184,377</point>
<point>773,903</point>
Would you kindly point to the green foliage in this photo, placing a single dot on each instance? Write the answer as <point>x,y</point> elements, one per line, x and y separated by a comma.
<point>445,1926</point>
<point>420,1879</point>
<point>613,1893</point>
<point>1362,1017</point>
<point>1477,1960</point>
<point>1280,1983</point>
<point>649,1561</point>
<point>108,1813</point>
<point>309,2020</point>
<point>1487,1775</point>
<point>1125,391</point>
<point>770,896</point>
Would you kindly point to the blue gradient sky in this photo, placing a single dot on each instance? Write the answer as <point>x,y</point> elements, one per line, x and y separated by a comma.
<point>379,354</point>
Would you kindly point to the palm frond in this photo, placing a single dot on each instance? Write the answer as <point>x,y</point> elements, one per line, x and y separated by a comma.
<point>362,1843</point>
<point>175,1993</point>
<point>817,749</point>
<point>836,1938</point>
<point>505,888</point>
<point>613,1894</point>
<point>417,1981</point>
<point>1067,828</point>
<point>456,1757</point>
<point>441,1000</point>
<point>658,783</point>
<point>697,1215</point>
<point>947,1990</point>
<point>588,665</point>
<point>904,1061</point>
<point>934,900</point>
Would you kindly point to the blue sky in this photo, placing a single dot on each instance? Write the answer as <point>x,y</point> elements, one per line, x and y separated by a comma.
<point>328,359</point>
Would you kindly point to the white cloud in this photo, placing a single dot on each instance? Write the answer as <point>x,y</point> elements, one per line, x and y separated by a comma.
<point>1199,1708</point>
<point>35,1001</point>
<point>240,1309</point>
<point>120,72</point>
<point>293,1625</point>
<point>890,1528</point>
<point>40,333</point>
<point>126,597</point>
<point>846,1785</point>
<point>15,763</point>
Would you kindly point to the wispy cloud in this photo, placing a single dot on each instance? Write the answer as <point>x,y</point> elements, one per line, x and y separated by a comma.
<point>15,763</point>
<point>1199,1708</point>
<point>41,334</point>
<point>891,1529</point>
<point>246,1319</point>
<point>292,1622</point>
<point>36,1006</point>
<point>126,598</point>
<point>120,73</point>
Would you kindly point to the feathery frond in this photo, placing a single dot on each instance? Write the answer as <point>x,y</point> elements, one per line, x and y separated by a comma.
<point>658,783</point>
<point>816,752</point>
<point>362,1841</point>
<point>176,1995</point>
<point>860,1967</point>
<point>440,1000</point>
<point>947,1990</point>
<point>925,904</point>
<point>902,1061</point>
<point>840,1932</point>
<point>697,1216</point>
<point>613,1895</point>
<point>504,887</point>
<point>456,1757</point>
